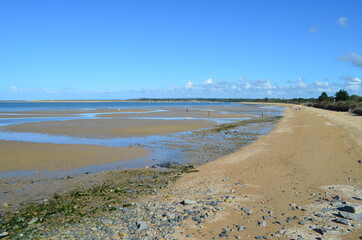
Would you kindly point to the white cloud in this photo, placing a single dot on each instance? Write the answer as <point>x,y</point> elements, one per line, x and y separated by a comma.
<point>189,85</point>
<point>209,81</point>
<point>301,83</point>
<point>321,84</point>
<point>353,83</point>
<point>355,59</point>
<point>314,29</point>
<point>15,89</point>
<point>342,21</point>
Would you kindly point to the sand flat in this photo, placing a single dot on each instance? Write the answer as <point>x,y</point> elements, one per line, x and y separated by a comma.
<point>22,156</point>
<point>111,128</point>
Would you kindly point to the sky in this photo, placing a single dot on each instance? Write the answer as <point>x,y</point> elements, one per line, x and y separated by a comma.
<point>125,49</point>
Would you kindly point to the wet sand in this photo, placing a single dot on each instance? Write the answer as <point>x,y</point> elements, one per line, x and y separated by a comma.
<point>129,123</point>
<point>116,123</point>
<point>21,156</point>
<point>111,128</point>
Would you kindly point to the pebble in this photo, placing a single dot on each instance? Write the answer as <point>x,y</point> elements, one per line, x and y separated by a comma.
<point>33,220</point>
<point>106,221</point>
<point>262,224</point>
<point>187,202</point>
<point>141,225</point>
<point>4,234</point>
<point>247,211</point>
<point>240,229</point>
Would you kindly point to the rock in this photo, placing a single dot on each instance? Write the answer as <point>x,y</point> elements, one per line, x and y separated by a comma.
<point>106,221</point>
<point>262,224</point>
<point>247,211</point>
<point>341,221</point>
<point>324,210</point>
<point>141,225</point>
<point>320,230</point>
<point>352,208</point>
<point>266,217</point>
<point>352,216</point>
<point>261,237</point>
<point>187,202</point>
<point>240,229</point>
<point>214,203</point>
<point>170,216</point>
<point>33,221</point>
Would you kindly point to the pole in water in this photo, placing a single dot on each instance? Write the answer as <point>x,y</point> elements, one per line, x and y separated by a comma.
<point>262,114</point>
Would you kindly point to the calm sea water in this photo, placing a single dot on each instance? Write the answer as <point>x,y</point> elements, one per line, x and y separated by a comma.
<point>47,106</point>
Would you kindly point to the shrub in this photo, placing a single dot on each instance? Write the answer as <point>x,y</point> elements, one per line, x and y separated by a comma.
<point>357,111</point>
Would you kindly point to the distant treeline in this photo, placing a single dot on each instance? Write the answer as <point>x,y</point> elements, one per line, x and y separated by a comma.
<point>341,101</point>
<point>261,100</point>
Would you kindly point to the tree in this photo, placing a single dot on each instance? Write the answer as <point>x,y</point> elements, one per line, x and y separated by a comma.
<point>323,97</point>
<point>342,95</point>
<point>355,98</point>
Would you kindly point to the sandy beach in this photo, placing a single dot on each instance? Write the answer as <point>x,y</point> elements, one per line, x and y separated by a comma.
<point>285,185</point>
<point>311,152</point>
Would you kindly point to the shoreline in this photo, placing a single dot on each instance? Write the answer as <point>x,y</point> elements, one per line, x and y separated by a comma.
<point>282,180</point>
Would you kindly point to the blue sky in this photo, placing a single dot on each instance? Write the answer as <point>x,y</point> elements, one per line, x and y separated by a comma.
<point>131,49</point>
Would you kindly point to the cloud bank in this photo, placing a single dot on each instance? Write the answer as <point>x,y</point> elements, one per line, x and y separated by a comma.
<point>208,88</point>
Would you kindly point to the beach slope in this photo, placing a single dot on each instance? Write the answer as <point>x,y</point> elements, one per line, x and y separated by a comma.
<point>281,185</point>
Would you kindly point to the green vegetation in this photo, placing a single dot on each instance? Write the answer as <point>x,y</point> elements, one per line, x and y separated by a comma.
<point>121,189</point>
<point>341,102</point>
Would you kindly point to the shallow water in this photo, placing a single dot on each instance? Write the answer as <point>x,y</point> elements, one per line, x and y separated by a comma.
<point>180,147</point>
